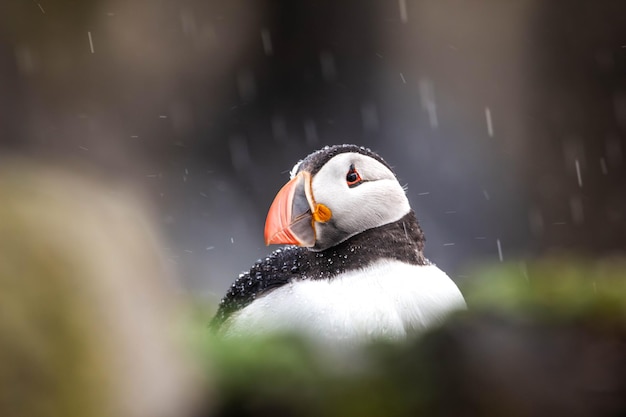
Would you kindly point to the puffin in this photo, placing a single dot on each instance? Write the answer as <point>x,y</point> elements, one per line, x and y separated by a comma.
<point>353,269</point>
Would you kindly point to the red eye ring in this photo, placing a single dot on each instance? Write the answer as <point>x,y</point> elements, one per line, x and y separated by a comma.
<point>353,178</point>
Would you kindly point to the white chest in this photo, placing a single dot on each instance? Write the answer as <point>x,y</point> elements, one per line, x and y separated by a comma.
<point>388,299</point>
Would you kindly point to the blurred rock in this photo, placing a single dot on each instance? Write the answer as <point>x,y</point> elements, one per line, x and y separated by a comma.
<point>87,315</point>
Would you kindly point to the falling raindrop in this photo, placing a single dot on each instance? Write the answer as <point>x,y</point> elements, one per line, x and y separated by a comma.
<point>578,174</point>
<point>403,14</point>
<point>489,122</point>
<point>267,42</point>
<point>90,43</point>
<point>427,98</point>
<point>603,167</point>
<point>499,250</point>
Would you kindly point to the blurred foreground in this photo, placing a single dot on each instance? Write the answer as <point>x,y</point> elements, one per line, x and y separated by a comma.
<point>90,326</point>
<point>86,315</point>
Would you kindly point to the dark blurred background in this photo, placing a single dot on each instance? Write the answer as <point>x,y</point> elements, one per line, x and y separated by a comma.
<point>505,119</point>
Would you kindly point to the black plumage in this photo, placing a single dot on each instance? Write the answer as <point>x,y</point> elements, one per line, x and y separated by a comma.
<point>315,161</point>
<point>402,240</point>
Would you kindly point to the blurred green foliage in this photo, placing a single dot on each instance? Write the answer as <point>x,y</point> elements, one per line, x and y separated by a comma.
<point>555,288</point>
<point>546,338</point>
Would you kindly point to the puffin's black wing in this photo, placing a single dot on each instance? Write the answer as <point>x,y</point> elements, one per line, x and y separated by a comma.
<point>284,265</point>
<point>279,268</point>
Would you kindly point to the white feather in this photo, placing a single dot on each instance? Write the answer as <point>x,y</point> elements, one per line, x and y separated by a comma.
<point>388,299</point>
<point>377,201</point>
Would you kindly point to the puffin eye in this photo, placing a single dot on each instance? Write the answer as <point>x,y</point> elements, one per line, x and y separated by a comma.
<point>353,178</point>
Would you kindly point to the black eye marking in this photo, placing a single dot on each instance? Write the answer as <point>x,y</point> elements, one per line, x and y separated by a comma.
<point>353,178</point>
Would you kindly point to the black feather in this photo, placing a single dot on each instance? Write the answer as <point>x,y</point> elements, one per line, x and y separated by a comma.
<point>402,240</point>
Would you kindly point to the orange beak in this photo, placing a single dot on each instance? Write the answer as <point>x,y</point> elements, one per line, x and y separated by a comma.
<point>291,216</point>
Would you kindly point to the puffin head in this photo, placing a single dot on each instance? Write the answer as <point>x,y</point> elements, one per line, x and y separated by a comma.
<point>334,194</point>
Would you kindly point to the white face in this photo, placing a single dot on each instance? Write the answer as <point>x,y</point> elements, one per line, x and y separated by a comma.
<point>377,200</point>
